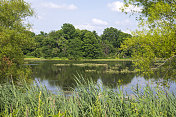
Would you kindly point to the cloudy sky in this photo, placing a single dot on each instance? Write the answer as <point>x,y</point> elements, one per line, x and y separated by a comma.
<point>83,14</point>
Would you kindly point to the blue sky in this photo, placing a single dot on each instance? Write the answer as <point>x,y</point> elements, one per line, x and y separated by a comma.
<point>83,14</point>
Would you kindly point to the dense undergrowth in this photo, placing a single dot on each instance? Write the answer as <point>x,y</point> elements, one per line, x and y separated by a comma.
<point>88,99</point>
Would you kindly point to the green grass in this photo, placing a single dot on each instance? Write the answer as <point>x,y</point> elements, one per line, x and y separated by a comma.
<point>35,59</point>
<point>57,58</point>
<point>84,64</point>
<point>124,71</point>
<point>87,100</point>
<point>31,58</point>
<point>106,59</point>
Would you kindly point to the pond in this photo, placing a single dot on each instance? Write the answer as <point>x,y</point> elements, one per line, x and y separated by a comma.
<point>60,75</point>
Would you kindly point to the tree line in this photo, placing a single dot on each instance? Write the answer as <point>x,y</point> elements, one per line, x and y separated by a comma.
<point>74,43</point>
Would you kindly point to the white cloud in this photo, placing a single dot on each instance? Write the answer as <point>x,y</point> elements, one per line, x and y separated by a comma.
<point>124,22</point>
<point>91,27</point>
<point>117,22</point>
<point>99,22</point>
<point>59,6</point>
<point>127,31</point>
<point>39,17</point>
<point>118,6</point>
<point>85,26</point>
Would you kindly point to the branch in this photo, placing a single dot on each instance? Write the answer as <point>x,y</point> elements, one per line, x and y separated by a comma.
<point>166,61</point>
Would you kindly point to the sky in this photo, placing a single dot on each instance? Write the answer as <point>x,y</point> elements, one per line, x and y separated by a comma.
<point>83,14</point>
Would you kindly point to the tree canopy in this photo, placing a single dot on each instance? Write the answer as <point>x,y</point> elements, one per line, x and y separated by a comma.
<point>112,39</point>
<point>75,44</point>
<point>157,37</point>
<point>14,37</point>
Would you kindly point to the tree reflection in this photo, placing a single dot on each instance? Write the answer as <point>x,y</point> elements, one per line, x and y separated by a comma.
<point>64,76</point>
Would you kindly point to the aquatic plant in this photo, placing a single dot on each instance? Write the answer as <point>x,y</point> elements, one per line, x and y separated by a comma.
<point>88,99</point>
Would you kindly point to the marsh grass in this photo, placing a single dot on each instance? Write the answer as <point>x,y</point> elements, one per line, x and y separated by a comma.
<point>83,65</point>
<point>90,65</point>
<point>31,58</point>
<point>88,99</point>
<point>123,71</point>
<point>61,65</point>
<point>90,70</point>
<point>107,59</point>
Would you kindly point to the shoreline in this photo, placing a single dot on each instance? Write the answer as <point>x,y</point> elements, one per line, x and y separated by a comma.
<point>66,59</point>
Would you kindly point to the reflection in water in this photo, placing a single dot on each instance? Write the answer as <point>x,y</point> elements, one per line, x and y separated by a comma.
<point>100,84</point>
<point>52,88</point>
<point>62,77</point>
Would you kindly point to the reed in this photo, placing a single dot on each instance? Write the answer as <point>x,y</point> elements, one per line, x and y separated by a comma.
<point>88,99</point>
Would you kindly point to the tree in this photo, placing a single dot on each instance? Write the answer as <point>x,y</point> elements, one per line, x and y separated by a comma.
<point>68,31</point>
<point>159,40</point>
<point>112,35</point>
<point>62,44</point>
<point>13,12</point>
<point>112,39</point>
<point>91,47</point>
<point>75,49</point>
<point>14,37</point>
<point>50,47</point>
<point>38,39</point>
<point>30,47</point>
<point>48,44</point>
<point>74,43</point>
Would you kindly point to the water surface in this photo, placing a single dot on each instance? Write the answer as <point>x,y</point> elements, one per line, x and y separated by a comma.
<point>60,75</point>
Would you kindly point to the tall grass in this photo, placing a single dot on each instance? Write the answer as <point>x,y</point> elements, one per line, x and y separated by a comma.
<point>88,99</point>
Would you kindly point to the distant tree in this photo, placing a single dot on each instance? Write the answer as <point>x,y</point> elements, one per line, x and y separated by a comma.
<point>63,46</point>
<point>74,43</point>
<point>75,49</point>
<point>112,39</point>
<point>91,47</point>
<point>111,34</point>
<point>108,49</point>
<point>47,47</point>
<point>68,31</point>
<point>30,47</point>
<point>54,35</point>
<point>39,44</point>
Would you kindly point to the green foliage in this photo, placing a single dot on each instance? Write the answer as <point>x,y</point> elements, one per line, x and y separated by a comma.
<point>112,39</point>
<point>91,47</point>
<point>13,12</point>
<point>67,42</point>
<point>30,44</point>
<point>11,54</point>
<point>14,38</point>
<point>68,31</point>
<point>48,47</point>
<point>158,41</point>
<point>112,35</point>
<point>108,48</point>
<point>75,48</point>
<point>88,99</point>
<point>74,43</point>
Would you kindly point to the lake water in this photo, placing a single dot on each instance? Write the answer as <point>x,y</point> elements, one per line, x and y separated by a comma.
<point>60,75</point>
